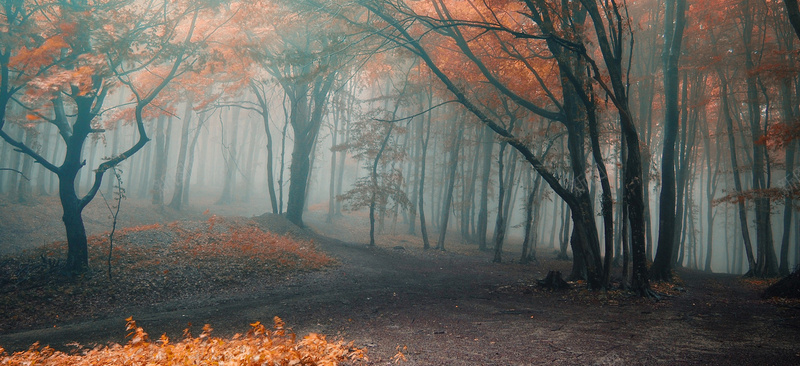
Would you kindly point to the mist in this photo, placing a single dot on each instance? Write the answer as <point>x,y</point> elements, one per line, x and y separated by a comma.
<point>352,97</point>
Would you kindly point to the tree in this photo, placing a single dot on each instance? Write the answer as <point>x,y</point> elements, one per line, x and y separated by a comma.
<point>457,134</point>
<point>306,57</point>
<point>373,146</point>
<point>674,24</point>
<point>67,57</point>
<point>177,196</point>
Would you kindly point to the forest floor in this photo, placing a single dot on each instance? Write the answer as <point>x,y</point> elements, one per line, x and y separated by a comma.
<point>439,308</point>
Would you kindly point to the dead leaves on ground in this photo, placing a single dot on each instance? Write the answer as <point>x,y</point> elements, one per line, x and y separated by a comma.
<point>259,346</point>
<point>580,294</point>
<point>150,264</point>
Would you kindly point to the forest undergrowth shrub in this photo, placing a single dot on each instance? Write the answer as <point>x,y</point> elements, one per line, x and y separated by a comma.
<point>259,346</point>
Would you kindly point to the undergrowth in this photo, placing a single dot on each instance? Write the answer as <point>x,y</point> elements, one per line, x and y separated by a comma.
<point>150,264</point>
<point>259,346</point>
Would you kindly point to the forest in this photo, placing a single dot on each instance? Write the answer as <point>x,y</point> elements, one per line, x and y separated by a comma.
<point>192,154</point>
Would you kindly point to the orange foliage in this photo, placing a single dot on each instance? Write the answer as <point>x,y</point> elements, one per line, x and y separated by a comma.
<point>251,243</point>
<point>780,135</point>
<point>260,346</point>
<point>241,245</point>
<point>140,228</point>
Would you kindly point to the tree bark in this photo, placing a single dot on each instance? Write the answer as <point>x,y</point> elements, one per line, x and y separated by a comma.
<point>529,254</point>
<point>423,226</point>
<point>448,193</point>
<point>177,195</point>
<point>500,224</point>
<point>483,211</point>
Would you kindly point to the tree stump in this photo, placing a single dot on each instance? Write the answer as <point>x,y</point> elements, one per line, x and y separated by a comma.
<point>554,281</point>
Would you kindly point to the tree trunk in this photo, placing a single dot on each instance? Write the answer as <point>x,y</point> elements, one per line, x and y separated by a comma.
<point>180,169</point>
<point>375,186</point>
<point>483,212</point>
<point>564,232</point>
<point>724,105</point>
<point>624,230</point>
<point>767,264</point>
<point>161,158</point>
<point>265,118</point>
<point>512,189</point>
<point>674,25</point>
<point>307,110</point>
<point>530,254</point>
<point>606,202</point>
<point>794,15</point>
<point>711,190</point>
<point>16,159</point>
<point>282,169</point>
<point>201,119</point>
<point>791,179</point>
<point>500,224</point>
<point>423,227</point>
<point>24,188</point>
<point>43,174</point>
<point>299,171</point>
<point>417,155</point>
<point>332,182</point>
<point>77,249</point>
<point>470,181</point>
<point>229,149</point>
<point>448,193</point>
<point>250,169</point>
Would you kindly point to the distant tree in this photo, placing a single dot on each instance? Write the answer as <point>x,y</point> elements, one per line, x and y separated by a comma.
<point>379,189</point>
<point>183,151</point>
<point>306,56</point>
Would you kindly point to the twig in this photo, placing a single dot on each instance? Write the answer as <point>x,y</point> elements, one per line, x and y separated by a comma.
<point>17,171</point>
<point>114,214</point>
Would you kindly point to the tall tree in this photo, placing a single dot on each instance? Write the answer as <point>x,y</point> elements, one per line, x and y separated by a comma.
<point>674,24</point>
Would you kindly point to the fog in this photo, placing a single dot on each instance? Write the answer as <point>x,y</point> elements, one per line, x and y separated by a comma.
<point>349,112</point>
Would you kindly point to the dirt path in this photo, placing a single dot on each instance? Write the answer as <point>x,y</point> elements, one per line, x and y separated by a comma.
<point>454,309</point>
